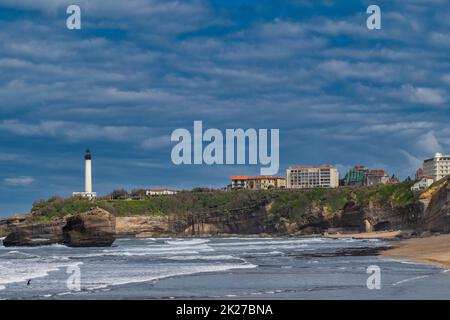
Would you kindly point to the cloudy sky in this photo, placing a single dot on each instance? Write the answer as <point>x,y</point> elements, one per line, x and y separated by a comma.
<point>339,93</point>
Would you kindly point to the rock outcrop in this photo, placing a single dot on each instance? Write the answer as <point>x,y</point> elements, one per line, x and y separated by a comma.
<point>149,226</point>
<point>436,201</point>
<point>34,234</point>
<point>95,228</point>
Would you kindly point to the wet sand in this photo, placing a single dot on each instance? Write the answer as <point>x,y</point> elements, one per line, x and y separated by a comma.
<point>433,250</point>
<point>367,235</point>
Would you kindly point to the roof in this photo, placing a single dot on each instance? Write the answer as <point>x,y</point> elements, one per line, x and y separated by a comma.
<point>161,189</point>
<point>266,177</point>
<point>239,177</point>
<point>255,178</point>
<point>376,172</point>
<point>312,167</point>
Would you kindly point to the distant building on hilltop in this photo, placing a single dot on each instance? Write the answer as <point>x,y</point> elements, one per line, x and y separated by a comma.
<point>419,174</point>
<point>355,176</point>
<point>362,176</point>
<point>258,182</point>
<point>239,182</point>
<point>374,177</point>
<point>160,192</point>
<point>437,167</point>
<point>266,182</point>
<point>422,184</point>
<point>312,177</point>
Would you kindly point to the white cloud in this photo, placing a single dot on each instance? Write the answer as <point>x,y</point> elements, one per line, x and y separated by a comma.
<point>156,142</point>
<point>414,162</point>
<point>75,131</point>
<point>19,181</point>
<point>428,143</point>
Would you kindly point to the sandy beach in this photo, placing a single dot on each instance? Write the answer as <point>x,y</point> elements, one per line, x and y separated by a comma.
<point>433,250</point>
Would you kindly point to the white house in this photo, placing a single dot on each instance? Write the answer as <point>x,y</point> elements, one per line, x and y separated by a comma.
<point>160,192</point>
<point>422,184</point>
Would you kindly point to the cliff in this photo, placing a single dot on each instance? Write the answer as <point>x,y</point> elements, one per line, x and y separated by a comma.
<point>436,204</point>
<point>278,212</point>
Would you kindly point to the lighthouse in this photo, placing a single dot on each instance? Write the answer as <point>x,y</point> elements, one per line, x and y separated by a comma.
<point>88,172</point>
<point>87,194</point>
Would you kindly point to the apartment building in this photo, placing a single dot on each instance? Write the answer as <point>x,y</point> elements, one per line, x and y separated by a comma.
<point>437,167</point>
<point>312,177</point>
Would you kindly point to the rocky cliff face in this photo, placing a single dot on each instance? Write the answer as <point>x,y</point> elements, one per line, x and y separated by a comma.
<point>95,228</point>
<point>436,202</point>
<point>233,222</point>
<point>372,218</point>
<point>149,226</point>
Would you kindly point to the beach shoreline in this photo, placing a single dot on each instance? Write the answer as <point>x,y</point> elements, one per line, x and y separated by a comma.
<point>433,250</point>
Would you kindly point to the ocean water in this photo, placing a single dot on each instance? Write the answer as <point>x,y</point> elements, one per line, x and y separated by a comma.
<point>216,268</point>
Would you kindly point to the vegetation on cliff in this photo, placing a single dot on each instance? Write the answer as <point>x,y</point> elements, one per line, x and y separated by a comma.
<point>286,204</point>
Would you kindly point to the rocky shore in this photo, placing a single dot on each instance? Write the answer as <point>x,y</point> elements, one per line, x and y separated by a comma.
<point>94,228</point>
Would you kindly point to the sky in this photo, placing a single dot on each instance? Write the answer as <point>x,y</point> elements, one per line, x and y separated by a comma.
<point>339,93</point>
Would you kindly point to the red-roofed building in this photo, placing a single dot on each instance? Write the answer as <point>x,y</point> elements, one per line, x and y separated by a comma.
<point>239,182</point>
<point>374,177</point>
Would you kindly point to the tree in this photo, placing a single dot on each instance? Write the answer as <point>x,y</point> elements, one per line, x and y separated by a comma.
<point>138,194</point>
<point>119,194</point>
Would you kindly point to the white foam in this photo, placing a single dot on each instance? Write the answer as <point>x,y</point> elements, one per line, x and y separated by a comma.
<point>205,257</point>
<point>185,242</point>
<point>21,273</point>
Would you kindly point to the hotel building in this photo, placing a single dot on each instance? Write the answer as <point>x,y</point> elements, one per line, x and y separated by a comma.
<point>312,177</point>
<point>437,167</point>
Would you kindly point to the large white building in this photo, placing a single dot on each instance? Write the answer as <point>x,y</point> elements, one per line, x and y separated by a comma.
<point>437,167</point>
<point>312,177</point>
<point>87,194</point>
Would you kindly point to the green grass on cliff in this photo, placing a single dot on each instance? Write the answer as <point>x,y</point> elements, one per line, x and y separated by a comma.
<point>287,204</point>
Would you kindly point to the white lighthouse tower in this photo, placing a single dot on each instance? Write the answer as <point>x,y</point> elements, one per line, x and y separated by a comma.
<point>88,172</point>
<point>87,194</point>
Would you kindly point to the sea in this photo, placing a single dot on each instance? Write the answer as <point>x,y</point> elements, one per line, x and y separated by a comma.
<point>218,268</point>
